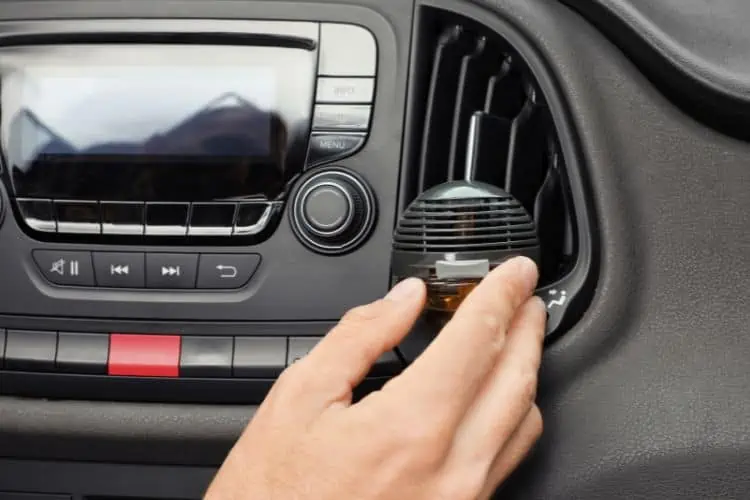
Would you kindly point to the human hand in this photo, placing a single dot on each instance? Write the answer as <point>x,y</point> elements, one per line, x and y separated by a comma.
<point>452,426</point>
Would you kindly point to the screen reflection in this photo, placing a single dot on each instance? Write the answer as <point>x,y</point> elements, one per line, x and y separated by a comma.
<point>214,154</point>
<point>156,133</point>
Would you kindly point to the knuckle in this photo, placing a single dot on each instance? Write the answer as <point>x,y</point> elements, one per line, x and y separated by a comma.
<point>290,378</point>
<point>420,436</point>
<point>465,484</point>
<point>489,320</point>
<point>285,391</point>
<point>415,444</point>
<point>425,443</point>
<point>303,380</point>
<point>528,380</point>
<point>362,347</point>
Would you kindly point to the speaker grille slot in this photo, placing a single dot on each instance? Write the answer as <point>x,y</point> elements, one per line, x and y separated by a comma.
<point>467,225</point>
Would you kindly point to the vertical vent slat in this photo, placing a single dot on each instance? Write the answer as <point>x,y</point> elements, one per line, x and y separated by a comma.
<point>451,47</point>
<point>489,148</point>
<point>476,70</point>
<point>569,242</point>
<point>527,159</point>
<point>505,94</point>
<point>550,217</point>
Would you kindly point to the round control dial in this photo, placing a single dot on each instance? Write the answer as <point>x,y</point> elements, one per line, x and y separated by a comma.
<point>328,208</point>
<point>333,211</point>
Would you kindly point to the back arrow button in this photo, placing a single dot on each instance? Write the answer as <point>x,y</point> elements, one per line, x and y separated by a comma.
<point>226,271</point>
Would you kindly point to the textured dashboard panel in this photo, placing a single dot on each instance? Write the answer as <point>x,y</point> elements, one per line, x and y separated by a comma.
<point>654,379</point>
<point>653,382</point>
<point>118,432</point>
<point>695,51</point>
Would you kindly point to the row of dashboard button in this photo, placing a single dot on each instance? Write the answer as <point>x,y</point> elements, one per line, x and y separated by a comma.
<point>150,219</point>
<point>147,270</point>
<point>341,118</point>
<point>132,355</point>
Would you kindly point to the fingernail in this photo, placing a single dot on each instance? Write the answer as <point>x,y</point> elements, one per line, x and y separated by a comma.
<point>406,289</point>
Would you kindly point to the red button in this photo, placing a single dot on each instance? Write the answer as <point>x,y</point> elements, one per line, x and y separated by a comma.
<point>144,355</point>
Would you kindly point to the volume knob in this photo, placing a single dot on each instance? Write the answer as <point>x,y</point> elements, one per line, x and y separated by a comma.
<point>333,211</point>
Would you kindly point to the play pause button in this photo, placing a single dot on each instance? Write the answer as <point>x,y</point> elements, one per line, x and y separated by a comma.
<point>171,270</point>
<point>65,268</point>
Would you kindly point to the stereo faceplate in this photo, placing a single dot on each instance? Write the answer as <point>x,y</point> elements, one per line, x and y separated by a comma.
<point>135,134</point>
<point>287,284</point>
<point>293,293</point>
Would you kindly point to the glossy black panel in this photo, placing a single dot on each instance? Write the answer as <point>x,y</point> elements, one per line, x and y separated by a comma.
<point>77,211</point>
<point>212,218</point>
<point>122,218</point>
<point>38,214</point>
<point>154,122</point>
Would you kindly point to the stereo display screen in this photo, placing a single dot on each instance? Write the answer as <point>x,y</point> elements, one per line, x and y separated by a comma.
<point>164,123</point>
<point>144,112</point>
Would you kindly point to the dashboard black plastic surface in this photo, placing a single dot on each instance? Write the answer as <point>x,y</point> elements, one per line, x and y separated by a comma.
<point>693,50</point>
<point>646,398</point>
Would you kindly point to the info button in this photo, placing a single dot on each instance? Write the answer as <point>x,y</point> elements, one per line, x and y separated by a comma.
<point>226,271</point>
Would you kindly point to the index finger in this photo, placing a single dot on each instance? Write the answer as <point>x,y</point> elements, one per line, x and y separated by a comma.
<point>448,375</point>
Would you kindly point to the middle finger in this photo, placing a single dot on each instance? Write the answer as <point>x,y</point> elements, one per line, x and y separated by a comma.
<point>443,382</point>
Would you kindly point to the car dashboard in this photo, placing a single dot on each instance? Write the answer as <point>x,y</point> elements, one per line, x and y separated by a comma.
<point>192,193</point>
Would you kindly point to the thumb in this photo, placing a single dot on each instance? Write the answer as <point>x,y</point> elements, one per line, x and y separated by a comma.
<point>348,352</point>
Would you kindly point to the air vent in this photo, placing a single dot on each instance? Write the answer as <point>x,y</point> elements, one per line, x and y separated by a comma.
<point>491,169</point>
<point>478,113</point>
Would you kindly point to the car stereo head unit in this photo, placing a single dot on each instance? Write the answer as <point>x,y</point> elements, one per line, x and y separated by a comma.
<point>178,135</point>
<point>209,194</point>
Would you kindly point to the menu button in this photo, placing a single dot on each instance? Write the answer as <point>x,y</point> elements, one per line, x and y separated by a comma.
<point>325,147</point>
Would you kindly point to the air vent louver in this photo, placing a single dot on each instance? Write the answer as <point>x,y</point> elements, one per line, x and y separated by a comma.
<point>481,112</point>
